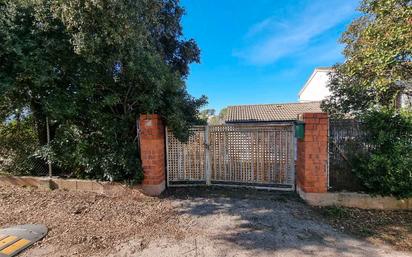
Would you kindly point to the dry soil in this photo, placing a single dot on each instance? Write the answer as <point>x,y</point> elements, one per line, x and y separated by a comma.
<point>183,222</point>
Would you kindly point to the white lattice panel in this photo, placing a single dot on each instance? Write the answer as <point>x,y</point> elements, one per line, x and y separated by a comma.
<point>236,154</point>
<point>186,161</point>
<point>252,154</point>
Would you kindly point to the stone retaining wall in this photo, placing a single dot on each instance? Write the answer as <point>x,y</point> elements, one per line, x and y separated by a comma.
<point>107,188</point>
<point>355,200</point>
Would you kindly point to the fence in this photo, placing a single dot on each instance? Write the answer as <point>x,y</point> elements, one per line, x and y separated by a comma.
<point>19,146</point>
<point>342,136</point>
<point>187,161</point>
<point>253,155</point>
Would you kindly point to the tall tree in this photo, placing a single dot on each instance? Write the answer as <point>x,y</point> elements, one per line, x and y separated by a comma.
<point>377,70</point>
<point>92,67</point>
<point>378,58</point>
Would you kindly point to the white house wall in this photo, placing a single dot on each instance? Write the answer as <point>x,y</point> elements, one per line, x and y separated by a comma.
<point>316,88</point>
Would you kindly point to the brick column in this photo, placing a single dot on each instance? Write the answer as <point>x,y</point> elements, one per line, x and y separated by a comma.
<point>313,154</point>
<point>152,150</point>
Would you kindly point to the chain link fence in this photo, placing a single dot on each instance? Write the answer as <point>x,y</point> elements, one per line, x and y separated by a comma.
<point>19,149</point>
<point>29,165</point>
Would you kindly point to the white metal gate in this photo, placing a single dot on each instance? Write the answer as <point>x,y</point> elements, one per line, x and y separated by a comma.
<point>234,155</point>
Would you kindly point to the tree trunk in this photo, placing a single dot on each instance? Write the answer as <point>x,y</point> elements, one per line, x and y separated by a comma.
<point>40,122</point>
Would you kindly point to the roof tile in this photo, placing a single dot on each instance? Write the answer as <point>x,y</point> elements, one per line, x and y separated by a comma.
<point>270,112</point>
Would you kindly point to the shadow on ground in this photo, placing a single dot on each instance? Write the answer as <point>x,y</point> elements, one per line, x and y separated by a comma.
<point>390,226</point>
<point>265,222</point>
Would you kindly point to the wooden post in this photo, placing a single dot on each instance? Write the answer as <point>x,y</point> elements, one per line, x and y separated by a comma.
<point>207,157</point>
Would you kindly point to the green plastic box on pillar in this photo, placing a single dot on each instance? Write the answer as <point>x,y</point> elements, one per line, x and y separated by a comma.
<point>300,130</point>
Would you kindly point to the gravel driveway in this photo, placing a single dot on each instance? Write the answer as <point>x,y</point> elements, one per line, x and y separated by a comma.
<point>183,222</point>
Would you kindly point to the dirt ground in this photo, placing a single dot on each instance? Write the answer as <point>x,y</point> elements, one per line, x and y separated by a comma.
<point>183,222</point>
<point>377,226</point>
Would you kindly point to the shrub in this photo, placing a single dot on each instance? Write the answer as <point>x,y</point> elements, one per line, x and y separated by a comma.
<point>86,155</point>
<point>18,144</point>
<point>385,167</point>
<point>73,152</point>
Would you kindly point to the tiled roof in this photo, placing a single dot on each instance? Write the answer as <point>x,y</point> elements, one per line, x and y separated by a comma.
<point>269,112</point>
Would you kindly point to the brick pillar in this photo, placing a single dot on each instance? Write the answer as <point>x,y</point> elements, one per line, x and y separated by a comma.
<point>312,156</point>
<point>152,150</point>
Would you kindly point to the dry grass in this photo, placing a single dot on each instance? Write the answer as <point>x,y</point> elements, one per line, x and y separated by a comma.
<point>391,227</point>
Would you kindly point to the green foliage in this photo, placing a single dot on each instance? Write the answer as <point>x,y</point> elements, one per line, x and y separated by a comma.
<point>92,67</point>
<point>14,158</point>
<point>378,59</point>
<point>335,212</point>
<point>386,166</point>
<point>206,114</point>
<point>219,119</point>
<point>376,72</point>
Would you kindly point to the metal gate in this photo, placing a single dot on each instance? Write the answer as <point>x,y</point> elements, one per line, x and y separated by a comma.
<point>234,155</point>
<point>343,133</point>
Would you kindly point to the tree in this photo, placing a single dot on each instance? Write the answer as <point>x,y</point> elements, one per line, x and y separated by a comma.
<point>378,59</point>
<point>92,67</point>
<point>367,85</point>
<point>219,119</point>
<point>206,114</point>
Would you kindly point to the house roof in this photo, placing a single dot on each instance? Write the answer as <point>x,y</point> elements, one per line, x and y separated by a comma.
<point>318,69</point>
<point>269,112</point>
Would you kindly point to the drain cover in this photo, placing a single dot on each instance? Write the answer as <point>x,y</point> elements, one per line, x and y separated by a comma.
<point>15,239</point>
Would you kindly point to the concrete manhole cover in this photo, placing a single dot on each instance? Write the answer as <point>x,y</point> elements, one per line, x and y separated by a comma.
<point>15,239</point>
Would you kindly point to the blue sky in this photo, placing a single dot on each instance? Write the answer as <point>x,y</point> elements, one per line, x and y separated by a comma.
<point>262,51</point>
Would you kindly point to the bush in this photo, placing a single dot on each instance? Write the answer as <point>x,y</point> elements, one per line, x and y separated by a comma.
<point>97,155</point>
<point>385,167</point>
<point>73,152</point>
<point>18,144</point>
